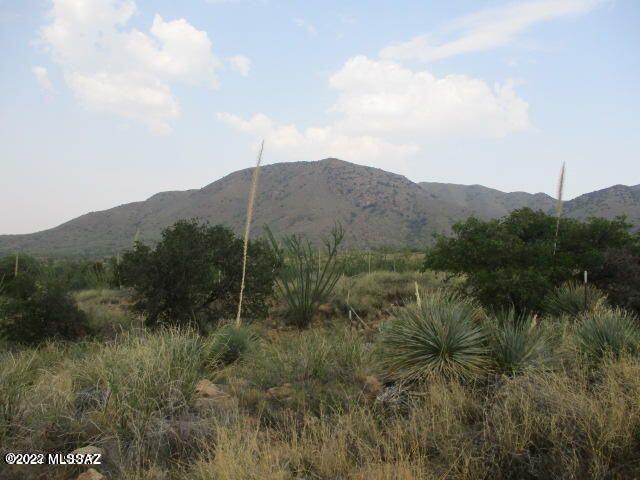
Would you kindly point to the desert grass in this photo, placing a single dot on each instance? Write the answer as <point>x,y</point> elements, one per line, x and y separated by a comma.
<point>303,405</point>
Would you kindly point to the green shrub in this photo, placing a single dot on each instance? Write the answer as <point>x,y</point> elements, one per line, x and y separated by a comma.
<point>608,332</point>
<point>439,335</point>
<point>308,276</point>
<point>518,343</point>
<point>193,275</point>
<point>230,342</point>
<point>512,261</point>
<point>570,299</point>
<point>48,313</point>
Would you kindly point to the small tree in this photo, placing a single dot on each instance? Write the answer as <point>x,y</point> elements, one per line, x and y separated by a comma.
<point>48,313</point>
<point>308,275</point>
<point>193,275</point>
<point>511,261</point>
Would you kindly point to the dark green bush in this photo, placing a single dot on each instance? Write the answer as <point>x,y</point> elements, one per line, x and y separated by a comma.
<point>49,313</point>
<point>511,261</point>
<point>192,276</point>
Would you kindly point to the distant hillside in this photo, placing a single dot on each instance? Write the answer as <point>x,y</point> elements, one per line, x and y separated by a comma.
<point>488,203</point>
<point>377,208</point>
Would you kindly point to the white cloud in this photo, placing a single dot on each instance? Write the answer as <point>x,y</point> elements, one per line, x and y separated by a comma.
<point>240,64</point>
<point>131,95</point>
<point>42,75</point>
<point>386,112</point>
<point>486,29</point>
<point>318,142</point>
<point>385,98</point>
<point>122,70</point>
<point>302,23</point>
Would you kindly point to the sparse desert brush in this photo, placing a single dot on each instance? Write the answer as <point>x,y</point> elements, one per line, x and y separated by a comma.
<point>520,342</point>
<point>608,331</point>
<point>441,335</point>
<point>572,299</point>
<point>375,292</point>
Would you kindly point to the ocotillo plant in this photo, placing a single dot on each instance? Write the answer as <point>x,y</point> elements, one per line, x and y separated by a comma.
<point>302,285</point>
<point>247,228</point>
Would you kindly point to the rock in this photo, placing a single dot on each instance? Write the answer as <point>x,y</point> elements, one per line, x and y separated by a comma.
<point>372,386</point>
<point>208,389</point>
<point>89,450</point>
<point>284,392</point>
<point>211,396</point>
<point>91,474</point>
<point>326,309</point>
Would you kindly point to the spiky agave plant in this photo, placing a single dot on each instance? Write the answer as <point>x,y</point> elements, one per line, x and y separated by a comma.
<point>573,299</point>
<point>518,343</point>
<point>608,331</point>
<point>442,335</point>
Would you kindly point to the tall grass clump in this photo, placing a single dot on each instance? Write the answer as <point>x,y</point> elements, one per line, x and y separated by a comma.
<point>442,335</point>
<point>308,276</point>
<point>571,299</point>
<point>518,343</point>
<point>608,331</point>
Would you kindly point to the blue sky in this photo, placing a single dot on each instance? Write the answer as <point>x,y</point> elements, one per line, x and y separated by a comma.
<point>106,102</point>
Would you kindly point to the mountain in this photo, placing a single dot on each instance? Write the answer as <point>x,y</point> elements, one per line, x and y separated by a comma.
<point>486,202</point>
<point>377,208</point>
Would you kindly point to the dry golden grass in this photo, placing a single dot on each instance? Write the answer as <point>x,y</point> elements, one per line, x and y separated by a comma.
<point>580,421</point>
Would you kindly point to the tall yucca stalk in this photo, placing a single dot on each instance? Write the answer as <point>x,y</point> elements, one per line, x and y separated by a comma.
<point>247,228</point>
<point>559,207</point>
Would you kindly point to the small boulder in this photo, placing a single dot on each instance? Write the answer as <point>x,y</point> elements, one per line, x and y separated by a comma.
<point>372,386</point>
<point>284,392</point>
<point>211,396</point>
<point>326,309</point>
<point>208,389</point>
<point>88,450</point>
<point>91,474</point>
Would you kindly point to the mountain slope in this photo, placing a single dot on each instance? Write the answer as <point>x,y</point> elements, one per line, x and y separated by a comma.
<point>486,202</point>
<point>377,208</point>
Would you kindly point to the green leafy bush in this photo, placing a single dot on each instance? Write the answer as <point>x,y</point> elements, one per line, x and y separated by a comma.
<point>511,261</point>
<point>439,335</point>
<point>608,331</point>
<point>518,343</point>
<point>48,313</point>
<point>193,275</point>
<point>573,299</point>
<point>308,276</point>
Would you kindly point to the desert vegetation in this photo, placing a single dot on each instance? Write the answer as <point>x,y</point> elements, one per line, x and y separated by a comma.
<point>484,357</point>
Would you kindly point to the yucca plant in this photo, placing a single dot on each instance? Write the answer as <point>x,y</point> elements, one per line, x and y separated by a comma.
<point>608,331</point>
<point>229,343</point>
<point>441,335</point>
<point>518,343</point>
<point>573,299</point>
<point>307,277</point>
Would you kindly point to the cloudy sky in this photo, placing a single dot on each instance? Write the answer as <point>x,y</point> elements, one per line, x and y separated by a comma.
<point>104,102</point>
